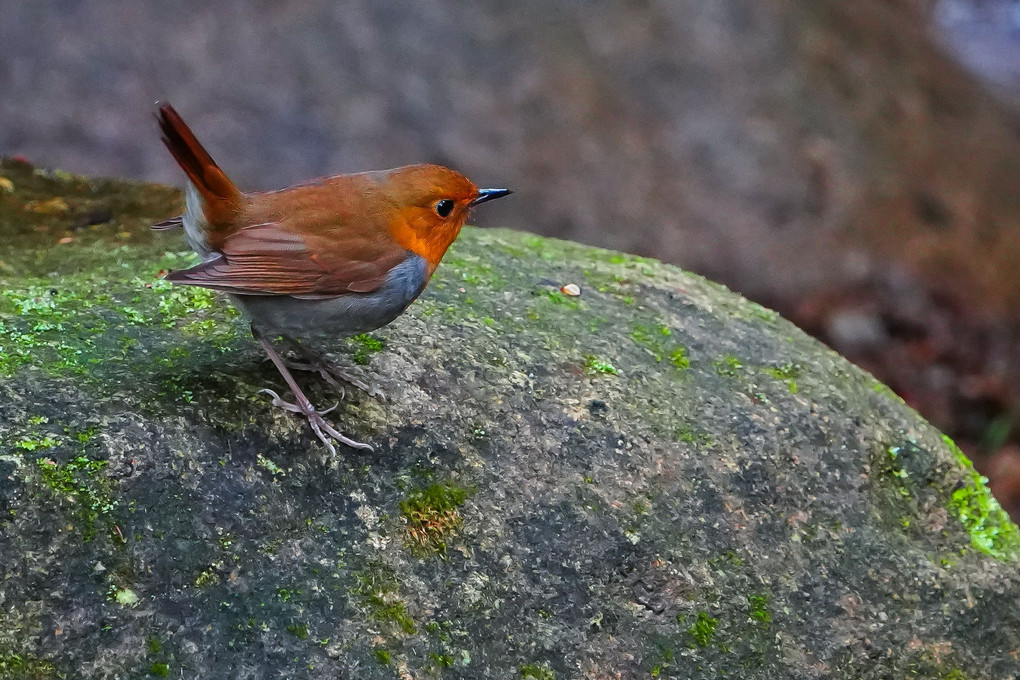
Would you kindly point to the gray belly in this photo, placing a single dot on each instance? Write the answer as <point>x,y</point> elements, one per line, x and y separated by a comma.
<point>343,315</point>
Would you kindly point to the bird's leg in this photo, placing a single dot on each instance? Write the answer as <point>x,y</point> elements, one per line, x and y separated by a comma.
<point>331,374</point>
<point>319,424</point>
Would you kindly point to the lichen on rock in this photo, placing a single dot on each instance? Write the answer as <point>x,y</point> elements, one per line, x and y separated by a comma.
<point>655,478</point>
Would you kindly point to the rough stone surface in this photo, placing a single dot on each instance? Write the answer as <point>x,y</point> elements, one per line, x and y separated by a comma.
<point>654,479</point>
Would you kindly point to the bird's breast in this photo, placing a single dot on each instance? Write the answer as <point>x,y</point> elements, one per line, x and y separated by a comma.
<point>346,314</point>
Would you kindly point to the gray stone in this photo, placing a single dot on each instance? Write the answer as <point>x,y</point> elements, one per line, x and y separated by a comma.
<point>655,479</point>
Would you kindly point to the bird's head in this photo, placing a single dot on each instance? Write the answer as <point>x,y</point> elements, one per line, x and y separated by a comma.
<point>431,204</point>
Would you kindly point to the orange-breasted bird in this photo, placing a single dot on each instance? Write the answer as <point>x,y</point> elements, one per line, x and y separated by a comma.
<point>332,257</point>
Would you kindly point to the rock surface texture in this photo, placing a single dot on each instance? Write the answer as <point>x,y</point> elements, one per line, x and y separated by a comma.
<point>654,479</point>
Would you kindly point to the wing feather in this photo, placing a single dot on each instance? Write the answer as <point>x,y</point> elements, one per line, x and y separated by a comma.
<point>172,223</point>
<point>268,259</point>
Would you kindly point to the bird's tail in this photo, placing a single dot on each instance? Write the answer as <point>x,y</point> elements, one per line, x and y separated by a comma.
<point>221,200</point>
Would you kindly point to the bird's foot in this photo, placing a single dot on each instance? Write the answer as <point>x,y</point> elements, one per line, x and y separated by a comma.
<point>334,375</point>
<point>323,430</point>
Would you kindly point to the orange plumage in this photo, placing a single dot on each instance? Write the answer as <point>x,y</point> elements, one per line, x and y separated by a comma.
<point>339,255</point>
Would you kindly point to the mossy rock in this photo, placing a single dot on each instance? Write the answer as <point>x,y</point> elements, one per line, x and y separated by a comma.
<point>654,479</point>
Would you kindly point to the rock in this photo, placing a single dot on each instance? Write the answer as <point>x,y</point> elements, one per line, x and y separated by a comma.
<point>856,329</point>
<point>657,478</point>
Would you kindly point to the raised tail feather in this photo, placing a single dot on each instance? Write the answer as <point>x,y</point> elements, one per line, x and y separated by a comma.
<point>221,200</point>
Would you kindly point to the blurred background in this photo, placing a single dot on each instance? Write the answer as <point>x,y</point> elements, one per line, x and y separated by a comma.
<point>854,165</point>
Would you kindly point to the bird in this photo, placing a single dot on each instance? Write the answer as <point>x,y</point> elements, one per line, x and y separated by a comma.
<point>324,259</point>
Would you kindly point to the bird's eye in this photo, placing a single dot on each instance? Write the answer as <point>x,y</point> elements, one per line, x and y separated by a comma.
<point>444,207</point>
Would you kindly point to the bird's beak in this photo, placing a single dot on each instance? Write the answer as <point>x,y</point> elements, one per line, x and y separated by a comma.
<point>488,195</point>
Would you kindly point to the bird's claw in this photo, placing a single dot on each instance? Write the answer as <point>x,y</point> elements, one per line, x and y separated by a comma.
<point>320,426</point>
<point>334,375</point>
<point>278,401</point>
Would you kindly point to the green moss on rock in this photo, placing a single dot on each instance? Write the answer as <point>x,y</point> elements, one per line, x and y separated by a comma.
<point>990,528</point>
<point>81,481</point>
<point>594,365</point>
<point>377,591</point>
<point>534,671</point>
<point>18,667</point>
<point>365,345</point>
<point>432,514</point>
<point>702,631</point>
<point>759,608</point>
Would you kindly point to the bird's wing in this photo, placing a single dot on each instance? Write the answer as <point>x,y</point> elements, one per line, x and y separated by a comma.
<point>171,223</point>
<point>268,259</point>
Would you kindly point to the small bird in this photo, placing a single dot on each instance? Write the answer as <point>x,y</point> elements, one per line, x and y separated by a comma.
<point>332,257</point>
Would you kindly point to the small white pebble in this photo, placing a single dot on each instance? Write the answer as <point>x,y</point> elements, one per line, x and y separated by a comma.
<point>571,289</point>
